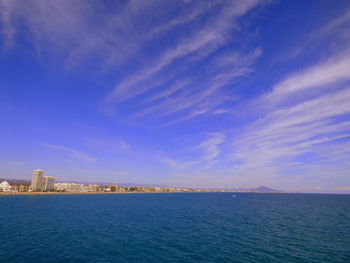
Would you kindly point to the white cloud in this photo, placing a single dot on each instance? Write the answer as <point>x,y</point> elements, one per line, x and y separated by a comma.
<point>317,77</point>
<point>80,32</point>
<point>209,150</point>
<point>210,147</point>
<point>179,165</point>
<point>123,145</point>
<point>6,16</point>
<point>176,92</point>
<point>304,139</point>
<point>202,96</point>
<point>19,163</point>
<point>113,145</point>
<point>75,154</point>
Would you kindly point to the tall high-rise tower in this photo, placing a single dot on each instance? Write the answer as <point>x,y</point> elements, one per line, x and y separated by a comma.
<point>37,179</point>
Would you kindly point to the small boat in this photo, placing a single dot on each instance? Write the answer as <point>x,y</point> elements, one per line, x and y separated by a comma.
<point>233,195</point>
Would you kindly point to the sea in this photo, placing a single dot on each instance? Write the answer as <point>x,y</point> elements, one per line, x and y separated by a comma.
<point>175,227</point>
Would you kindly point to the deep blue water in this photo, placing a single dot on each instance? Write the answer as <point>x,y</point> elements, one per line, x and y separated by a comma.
<point>188,227</point>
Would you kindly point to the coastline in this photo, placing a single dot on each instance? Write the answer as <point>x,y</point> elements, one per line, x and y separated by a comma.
<point>87,193</point>
<point>55,193</point>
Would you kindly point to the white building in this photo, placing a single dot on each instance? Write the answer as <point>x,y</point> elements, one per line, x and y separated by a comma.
<point>5,187</point>
<point>48,183</point>
<point>41,183</point>
<point>37,180</point>
<point>71,187</point>
<point>93,188</point>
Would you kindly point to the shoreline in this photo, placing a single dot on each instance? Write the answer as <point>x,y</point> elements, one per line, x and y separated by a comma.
<point>87,193</point>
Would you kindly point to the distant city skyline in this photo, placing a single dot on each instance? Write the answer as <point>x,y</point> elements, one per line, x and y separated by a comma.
<point>206,94</point>
<point>43,184</point>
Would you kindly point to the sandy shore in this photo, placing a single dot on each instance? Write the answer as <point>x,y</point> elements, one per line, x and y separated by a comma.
<point>88,193</point>
<point>68,193</point>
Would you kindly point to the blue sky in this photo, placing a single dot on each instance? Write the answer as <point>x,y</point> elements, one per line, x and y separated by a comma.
<point>220,94</point>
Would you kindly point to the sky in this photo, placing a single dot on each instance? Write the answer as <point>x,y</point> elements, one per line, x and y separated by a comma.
<point>210,94</point>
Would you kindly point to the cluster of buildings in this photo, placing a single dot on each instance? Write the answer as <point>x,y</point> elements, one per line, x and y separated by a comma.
<point>41,183</point>
<point>7,187</point>
<point>74,187</point>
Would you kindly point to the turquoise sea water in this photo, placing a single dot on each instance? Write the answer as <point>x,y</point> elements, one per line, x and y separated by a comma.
<point>184,227</point>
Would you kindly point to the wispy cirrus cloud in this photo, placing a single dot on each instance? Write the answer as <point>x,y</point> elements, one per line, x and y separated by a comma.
<point>202,95</point>
<point>109,145</point>
<point>80,30</point>
<point>335,30</point>
<point>303,129</point>
<point>301,142</point>
<point>319,77</point>
<point>72,153</point>
<point>210,147</point>
<point>19,163</point>
<point>86,32</point>
<point>301,132</point>
<point>184,93</point>
<point>208,152</point>
<point>188,68</point>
